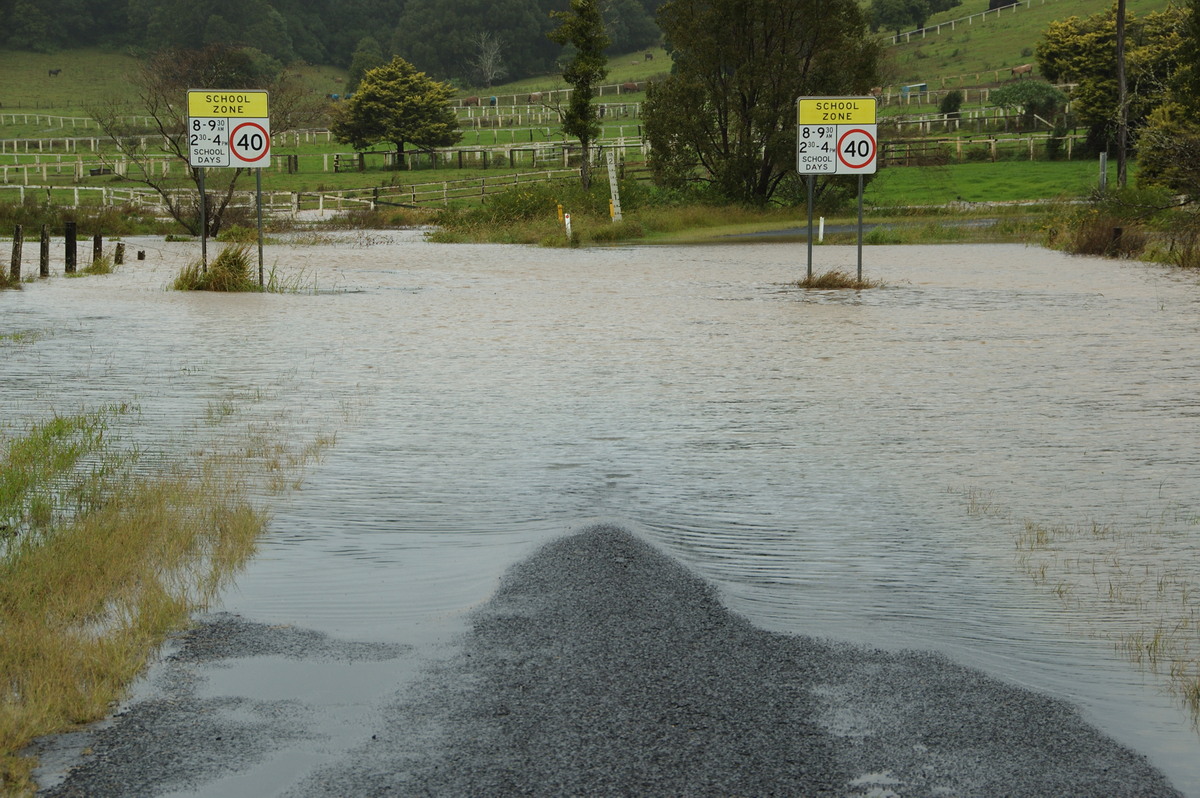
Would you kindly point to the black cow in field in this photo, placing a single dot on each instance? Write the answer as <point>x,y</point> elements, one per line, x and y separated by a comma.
<point>54,72</point>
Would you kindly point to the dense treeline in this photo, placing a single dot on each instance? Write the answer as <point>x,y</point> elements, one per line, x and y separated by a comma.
<point>450,39</point>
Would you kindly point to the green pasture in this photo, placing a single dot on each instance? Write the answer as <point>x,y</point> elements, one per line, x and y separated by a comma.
<point>89,76</point>
<point>1003,181</point>
<point>997,42</point>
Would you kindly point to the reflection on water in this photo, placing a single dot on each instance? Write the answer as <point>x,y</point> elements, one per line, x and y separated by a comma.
<point>809,452</point>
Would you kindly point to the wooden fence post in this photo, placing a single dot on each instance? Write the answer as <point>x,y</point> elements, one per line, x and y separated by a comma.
<point>119,255</point>
<point>44,253</point>
<point>97,248</point>
<point>18,240</point>
<point>69,234</point>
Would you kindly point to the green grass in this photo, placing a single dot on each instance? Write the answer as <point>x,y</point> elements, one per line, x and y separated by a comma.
<point>1003,181</point>
<point>91,75</point>
<point>622,68</point>
<point>999,43</point>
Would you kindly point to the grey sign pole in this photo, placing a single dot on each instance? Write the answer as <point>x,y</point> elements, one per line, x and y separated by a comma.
<point>811,181</point>
<point>203,223</point>
<point>258,191</point>
<point>860,233</point>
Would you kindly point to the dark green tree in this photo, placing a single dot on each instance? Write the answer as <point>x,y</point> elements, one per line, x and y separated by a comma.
<point>582,29</point>
<point>367,55</point>
<point>629,25</point>
<point>1083,51</point>
<point>441,37</point>
<point>727,113</point>
<point>1032,98</point>
<point>898,14</point>
<point>398,104</point>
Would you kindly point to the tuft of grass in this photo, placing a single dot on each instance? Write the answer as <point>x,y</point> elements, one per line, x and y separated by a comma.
<point>837,280</point>
<point>101,265</point>
<point>231,270</point>
<point>23,336</point>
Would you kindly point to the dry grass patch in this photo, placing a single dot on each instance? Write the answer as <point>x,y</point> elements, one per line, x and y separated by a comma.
<point>837,280</point>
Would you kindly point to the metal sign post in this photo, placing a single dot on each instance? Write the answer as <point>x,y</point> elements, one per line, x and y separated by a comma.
<point>229,128</point>
<point>836,136</point>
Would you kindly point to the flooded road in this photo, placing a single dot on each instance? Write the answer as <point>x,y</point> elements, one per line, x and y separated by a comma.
<point>855,466</point>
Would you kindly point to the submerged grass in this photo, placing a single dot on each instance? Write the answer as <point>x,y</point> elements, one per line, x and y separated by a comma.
<point>1137,585</point>
<point>99,561</point>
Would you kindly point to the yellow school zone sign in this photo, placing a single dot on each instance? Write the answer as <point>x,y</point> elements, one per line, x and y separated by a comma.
<point>228,104</point>
<point>835,111</point>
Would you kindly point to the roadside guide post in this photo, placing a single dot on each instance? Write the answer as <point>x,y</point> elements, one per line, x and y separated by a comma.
<point>229,128</point>
<point>836,136</point>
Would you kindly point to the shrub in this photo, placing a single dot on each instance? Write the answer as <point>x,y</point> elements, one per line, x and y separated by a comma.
<point>951,103</point>
<point>230,271</point>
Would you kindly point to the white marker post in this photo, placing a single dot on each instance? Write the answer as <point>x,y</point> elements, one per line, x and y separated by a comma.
<point>836,136</point>
<point>229,128</point>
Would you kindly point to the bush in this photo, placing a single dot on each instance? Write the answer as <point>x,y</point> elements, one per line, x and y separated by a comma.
<point>230,271</point>
<point>951,104</point>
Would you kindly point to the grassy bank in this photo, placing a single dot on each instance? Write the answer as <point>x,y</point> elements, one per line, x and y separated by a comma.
<point>100,560</point>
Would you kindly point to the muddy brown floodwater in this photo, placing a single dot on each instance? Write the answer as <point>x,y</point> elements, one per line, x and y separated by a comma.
<point>853,466</point>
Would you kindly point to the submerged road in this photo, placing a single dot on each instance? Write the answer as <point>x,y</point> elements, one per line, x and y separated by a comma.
<point>603,667</point>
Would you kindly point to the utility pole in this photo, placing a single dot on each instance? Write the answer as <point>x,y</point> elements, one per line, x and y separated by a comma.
<point>1122,96</point>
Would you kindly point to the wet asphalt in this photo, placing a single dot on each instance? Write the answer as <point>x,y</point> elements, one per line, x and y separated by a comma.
<point>603,667</point>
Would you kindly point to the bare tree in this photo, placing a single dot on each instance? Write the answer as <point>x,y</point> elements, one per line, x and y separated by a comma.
<point>162,83</point>
<point>488,62</point>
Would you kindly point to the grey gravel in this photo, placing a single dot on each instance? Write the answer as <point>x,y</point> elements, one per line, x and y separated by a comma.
<point>603,667</point>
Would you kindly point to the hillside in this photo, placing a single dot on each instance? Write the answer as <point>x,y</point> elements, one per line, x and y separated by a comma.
<point>956,52</point>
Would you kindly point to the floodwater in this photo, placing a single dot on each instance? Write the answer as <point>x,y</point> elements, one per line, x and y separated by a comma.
<point>815,454</point>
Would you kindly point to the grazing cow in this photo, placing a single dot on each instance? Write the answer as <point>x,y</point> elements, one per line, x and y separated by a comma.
<point>535,98</point>
<point>54,72</point>
<point>1023,69</point>
<point>649,56</point>
<point>470,101</point>
<point>627,87</point>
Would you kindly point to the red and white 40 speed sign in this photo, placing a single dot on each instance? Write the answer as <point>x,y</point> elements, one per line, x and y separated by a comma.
<point>856,149</point>
<point>250,142</point>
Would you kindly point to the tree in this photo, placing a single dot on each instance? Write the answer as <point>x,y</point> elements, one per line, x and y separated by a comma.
<point>1084,51</point>
<point>1168,145</point>
<point>398,104</point>
<point>367,55</point>
<point>440,36</point>
<point>727,113</point>
<point>1032,98</point>
<point>162,83</point>
<point>582,27</point>
<point>897,14</point>
<point>629,25</point>
<point>488,62</point>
